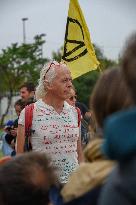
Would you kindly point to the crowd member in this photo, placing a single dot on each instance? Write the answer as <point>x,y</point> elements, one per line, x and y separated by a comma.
<point>104,103</point>
<point>120,143</point>
<point>10,131</point>
<point>26,179</point>
<point>10,134</point>
<point>19,106</point>
<point>10,137</point>
<point>84,111</point>
<point>85,122</point>
<point>72,100</point>
<point>72,97</point>
<point>27,92</point>
<point>85,184</point>
<point>7,138</point>
<point>85,116</point>
<point>55,122</point>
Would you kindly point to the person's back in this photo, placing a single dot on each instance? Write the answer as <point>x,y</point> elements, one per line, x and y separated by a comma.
<point>121,186</point>
<point>120,144</point>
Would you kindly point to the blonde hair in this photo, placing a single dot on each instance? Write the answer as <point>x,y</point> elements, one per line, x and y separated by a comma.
<point>41,90</point>
<point>47,73</point>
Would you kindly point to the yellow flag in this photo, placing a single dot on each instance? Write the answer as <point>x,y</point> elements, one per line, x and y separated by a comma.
<point>78,51</point>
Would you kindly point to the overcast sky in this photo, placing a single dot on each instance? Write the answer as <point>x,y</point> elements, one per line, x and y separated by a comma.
<point>110,22</point>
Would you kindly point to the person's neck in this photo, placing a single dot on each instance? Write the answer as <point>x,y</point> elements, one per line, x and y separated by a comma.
<point>57,104</point>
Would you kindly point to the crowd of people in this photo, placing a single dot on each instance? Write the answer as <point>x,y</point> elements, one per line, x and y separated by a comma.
<point>77,156</point>
<point>27,96</point>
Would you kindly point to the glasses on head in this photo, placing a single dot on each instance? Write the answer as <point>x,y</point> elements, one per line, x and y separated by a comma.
<point>73,98</point>
<point>53,63</point>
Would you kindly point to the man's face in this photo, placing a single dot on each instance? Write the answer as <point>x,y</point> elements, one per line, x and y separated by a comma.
<point>24,93</point>
<point>62,83</point>
<point>72,98</point>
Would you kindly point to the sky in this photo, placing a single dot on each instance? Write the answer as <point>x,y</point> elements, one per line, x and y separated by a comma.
<point>110,22</point>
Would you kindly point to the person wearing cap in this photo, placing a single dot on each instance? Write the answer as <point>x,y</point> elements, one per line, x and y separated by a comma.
<point>7,138</point>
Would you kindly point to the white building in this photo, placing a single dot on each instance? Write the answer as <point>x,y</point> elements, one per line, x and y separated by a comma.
<point>3,106</point>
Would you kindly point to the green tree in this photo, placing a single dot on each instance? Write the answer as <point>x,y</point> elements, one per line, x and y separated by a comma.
<point>84,85</point>
<point>20,63</point>
<point>57,55</point>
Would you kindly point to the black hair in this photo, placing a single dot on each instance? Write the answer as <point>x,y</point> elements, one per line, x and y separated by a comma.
<point>21,103</point>
<point>29,85</point>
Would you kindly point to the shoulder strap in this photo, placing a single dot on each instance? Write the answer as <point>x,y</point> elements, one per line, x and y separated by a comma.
<point>79,115</point>
<point>28,118</point>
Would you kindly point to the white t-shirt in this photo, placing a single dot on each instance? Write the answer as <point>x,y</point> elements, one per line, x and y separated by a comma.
<point>55,134</point>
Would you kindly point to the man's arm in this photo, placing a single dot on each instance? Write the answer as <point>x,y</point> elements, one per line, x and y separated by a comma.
<point>20,139</point>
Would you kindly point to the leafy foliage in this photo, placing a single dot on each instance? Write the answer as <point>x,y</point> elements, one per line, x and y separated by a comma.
<point>57,55</point>
<point>84,85</point>
<point>20,63</point>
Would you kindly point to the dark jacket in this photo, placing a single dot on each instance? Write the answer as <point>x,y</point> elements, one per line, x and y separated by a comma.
<point>120,145</point>
<point>89,198</point>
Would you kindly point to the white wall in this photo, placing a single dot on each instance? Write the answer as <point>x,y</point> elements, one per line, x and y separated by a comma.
<point>3,105</point>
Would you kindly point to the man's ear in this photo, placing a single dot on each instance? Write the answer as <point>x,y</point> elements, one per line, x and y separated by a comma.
<point>48,84</point>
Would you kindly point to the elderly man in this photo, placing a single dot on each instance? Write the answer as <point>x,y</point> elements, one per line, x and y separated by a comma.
<point>55,127</point>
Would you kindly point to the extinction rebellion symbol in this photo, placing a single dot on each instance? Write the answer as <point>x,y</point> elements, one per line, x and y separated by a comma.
<point>73,49</point>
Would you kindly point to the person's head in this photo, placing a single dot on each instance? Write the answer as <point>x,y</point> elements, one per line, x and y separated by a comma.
<point>110,95</point>
<point>27,90</point>
<point>129,64</point>
<point>55,81</point>
<point>26,179</point>
<point>19,106</point>
<point>71,100</point>
<point>9,125</point>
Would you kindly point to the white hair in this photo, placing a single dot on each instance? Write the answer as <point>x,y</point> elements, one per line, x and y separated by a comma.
<point>41,90</point>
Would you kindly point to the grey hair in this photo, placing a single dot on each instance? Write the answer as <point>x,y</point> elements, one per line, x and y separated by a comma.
<point>41,90</point>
